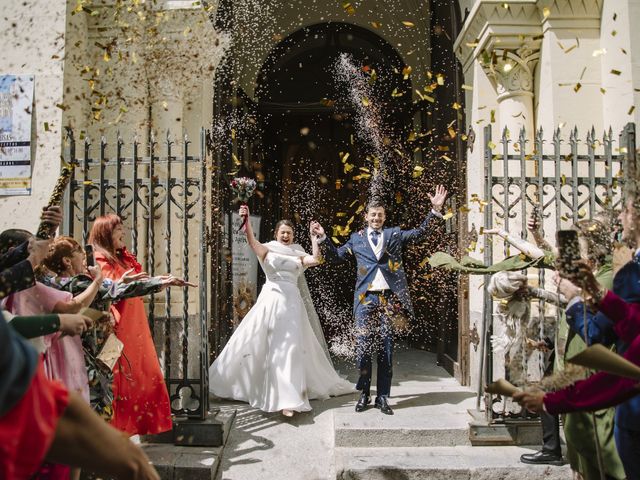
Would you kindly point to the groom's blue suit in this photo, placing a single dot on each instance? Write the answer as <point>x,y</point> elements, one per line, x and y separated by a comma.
<point>367,303</point>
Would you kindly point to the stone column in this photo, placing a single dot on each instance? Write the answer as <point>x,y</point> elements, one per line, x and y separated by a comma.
<point>511,71</point>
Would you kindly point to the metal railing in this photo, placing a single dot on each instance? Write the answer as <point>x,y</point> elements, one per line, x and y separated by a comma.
<point>574,180</point>
<point>162,200</point>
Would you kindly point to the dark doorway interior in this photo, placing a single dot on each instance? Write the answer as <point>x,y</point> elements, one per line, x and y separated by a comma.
<point>301,130</point>
<point>308,128</point>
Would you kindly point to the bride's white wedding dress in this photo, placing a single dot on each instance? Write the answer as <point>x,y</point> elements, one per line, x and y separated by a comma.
<point>274,360</point>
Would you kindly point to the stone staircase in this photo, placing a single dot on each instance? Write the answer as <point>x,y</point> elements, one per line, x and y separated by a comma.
<point>429,436</point>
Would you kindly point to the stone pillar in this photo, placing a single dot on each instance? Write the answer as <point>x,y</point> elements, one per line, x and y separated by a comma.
<point>512,74</point>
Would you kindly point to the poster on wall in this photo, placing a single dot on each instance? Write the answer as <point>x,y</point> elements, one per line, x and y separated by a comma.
<point>244,268</point>
<point>16,101</point>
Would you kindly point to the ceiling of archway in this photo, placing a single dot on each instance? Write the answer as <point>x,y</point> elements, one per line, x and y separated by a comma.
<point>261,26</point>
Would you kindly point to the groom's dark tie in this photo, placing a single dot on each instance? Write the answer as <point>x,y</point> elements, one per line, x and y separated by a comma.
<point>374,237</point>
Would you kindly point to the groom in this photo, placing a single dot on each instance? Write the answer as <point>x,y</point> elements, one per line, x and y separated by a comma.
<point>381,283</point>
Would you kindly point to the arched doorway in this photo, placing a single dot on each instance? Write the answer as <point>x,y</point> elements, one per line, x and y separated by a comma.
<point>301,129</point>
<point>309,129</point>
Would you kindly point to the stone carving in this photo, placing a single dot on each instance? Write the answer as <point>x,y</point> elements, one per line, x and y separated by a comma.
<point>511,70</point>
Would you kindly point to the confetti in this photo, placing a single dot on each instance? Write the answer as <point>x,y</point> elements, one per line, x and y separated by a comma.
<point>349,9</point>
<point>408,24</point>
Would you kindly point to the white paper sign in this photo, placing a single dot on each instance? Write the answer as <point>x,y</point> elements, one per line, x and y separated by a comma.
<point>244,268</point>
<point>16,101</point>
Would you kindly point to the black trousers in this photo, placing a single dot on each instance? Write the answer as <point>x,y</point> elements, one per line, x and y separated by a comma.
<point>550,433</point>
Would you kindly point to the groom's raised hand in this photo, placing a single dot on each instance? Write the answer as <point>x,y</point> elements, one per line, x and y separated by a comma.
<point>437,200</point>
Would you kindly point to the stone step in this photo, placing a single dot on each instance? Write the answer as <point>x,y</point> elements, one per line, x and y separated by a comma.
<point>418,426</point>
<point>181,458</point>
<point>442,463</point>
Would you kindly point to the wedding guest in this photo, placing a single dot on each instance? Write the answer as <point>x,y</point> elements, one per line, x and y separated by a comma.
<point>19,260</point>
<point>64,359</point>
<point>598,328</point>
<point>67,261</point>
<point>141,401</point>
<point>40,419</point>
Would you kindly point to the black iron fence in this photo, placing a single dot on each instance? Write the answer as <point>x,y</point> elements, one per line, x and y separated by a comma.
<point>567,181</point>
<point>160,192</point>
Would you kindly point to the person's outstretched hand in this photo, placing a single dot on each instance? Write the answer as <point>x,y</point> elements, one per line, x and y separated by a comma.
<point>171,281</point>
<point>74,324</point>
<point>52,216</point>
<point>532,400</point>
<point>437,200</point>
<point>129,276</point>
<point>38,250</point>
<point>316,229</point>
<point>585,278</point>
<point>533,224</point>
<point>96,272</point>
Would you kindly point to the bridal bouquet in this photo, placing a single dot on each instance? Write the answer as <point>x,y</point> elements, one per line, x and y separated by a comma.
<point>243,187</point>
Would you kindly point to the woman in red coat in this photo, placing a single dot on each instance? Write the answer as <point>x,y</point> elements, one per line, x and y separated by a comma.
<point>141,401</point>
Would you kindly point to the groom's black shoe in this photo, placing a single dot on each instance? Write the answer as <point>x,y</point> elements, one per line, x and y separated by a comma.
<point>383,405</point>
<point>363,402</point>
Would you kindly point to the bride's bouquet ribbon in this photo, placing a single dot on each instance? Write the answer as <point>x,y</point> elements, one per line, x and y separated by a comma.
<point>244,188</point>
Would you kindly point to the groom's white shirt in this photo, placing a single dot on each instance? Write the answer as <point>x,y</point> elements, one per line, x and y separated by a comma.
<point>379,283</point>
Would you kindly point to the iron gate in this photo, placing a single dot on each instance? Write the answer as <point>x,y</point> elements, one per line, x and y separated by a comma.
<point>574,181</point>
<point>162,200</point>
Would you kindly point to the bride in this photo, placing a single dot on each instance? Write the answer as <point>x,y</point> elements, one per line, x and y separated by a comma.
<point>276,360</point>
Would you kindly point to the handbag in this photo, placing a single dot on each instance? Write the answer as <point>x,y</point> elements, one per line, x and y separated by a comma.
<point>111,351</point>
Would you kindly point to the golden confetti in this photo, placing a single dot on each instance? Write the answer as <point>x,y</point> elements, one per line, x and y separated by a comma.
<point>440,79</point>
<point>376,25</point>
<point>456,106</point>
<point>417,171</point>
<point>234,157</point>
<point>396,93</point>
<point>631,110</point>
<point>467,87</point>
<point>447,215</point>
<point>344,156</point>
<point>493,116</point>
<point>365,101</point>
<point>546,12</point>
<point>349,8</point>
<point>394,266</point>
<point>577,87</point>
<point>408,24</point>
<point>46,126</point>
<point>615,72</point>
<point>491,145</point>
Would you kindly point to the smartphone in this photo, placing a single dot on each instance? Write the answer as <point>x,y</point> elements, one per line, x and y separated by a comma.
<point>88,251</point>
<point>568,251</point>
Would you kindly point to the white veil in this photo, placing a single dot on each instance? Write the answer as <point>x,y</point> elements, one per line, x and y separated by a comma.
<point>296,250</point>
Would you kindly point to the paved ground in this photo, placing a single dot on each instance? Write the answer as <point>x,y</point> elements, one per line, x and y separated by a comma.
<point>428,431</point>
